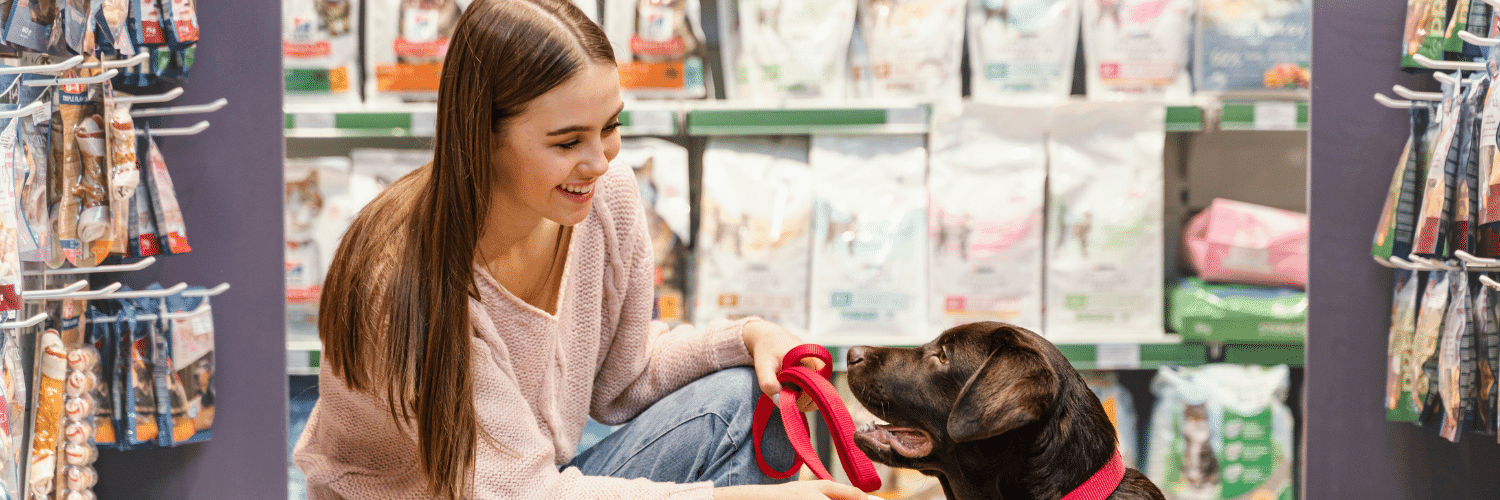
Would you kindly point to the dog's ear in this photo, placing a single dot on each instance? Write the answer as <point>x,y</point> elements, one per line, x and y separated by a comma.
<point>1014,387</point>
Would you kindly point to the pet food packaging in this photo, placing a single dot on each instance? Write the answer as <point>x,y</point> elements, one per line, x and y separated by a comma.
<point>67,174</point>
<point>1137,49</point>
<point>1022,50</point>
<point>1434,304</point>
<point>30,24</point>
<point>136,364</point>
<point>318,210</point>
<point>76,25</point>
<point>109,21</point>
<point>142,224</point>
<point>1436,214</point>
<point>52,365</point>
<point>869,279</point>
<point>170,229</point>
<point>755,231</point>
<point>1446,396</point>
<point>405,47</point>
<point>124,173</point>
<point>659,46</point>
<point>1237,313</point>
<point>790,49</point>
<point>180,21</point>
<point>914,48</point>
<point>1119,405</point>
<point>1253,46</point>
<point>1466,179</point>
<point>1104,251</point>
<point>987,189</point>
<point>31,174</point>
<point>1488,233</point>
<point>101,324</point>
<point>13,411</point>
<point>1221,431</point>
<point>320,50</point>
<point>1393,234</point>
<point>1487,327</point>
<point>661,174</point>
<point>1424,31</point>
<point>1399,343</point>
<point>1238,242</point>
<point>10,251</point>
<point>189,336</point>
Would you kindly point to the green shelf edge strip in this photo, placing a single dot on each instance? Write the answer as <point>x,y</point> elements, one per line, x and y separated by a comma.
<point>1184,119</point>
<point>1240,115</point>
<point>1265,354</point>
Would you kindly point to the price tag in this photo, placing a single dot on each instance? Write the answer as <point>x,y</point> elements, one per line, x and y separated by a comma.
<point>1118,356</point>
<point>916,115</point>
<point>424,124</point>
<point>1275,115</point>
<point>42,114</point>
<point>313,120</point>
<point>651,122</point>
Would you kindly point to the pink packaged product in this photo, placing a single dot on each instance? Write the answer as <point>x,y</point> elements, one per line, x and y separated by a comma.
<point>1238,242</point>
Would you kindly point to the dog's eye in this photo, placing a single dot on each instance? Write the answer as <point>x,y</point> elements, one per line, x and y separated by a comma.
<point>941,354</point>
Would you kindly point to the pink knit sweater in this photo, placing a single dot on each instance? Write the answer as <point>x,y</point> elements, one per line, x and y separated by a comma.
<point>536,377</point>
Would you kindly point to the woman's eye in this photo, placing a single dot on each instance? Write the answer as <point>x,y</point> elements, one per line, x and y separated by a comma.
<point>612,127</point>
<point>569,144</point>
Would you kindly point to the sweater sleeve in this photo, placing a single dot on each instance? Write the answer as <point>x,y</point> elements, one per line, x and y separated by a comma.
<point>645,359</point>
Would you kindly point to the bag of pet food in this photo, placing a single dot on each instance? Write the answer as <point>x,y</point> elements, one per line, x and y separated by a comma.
<point>987,187</point>
<point>35,137</point>
<point>659,46</point>
<point>1393,235</point>
<point>1487,360</point>
<point>1449,394</point>
<point>319,209</point>
<point>110,19</point>
<point>1253,46</point>
<point>30,24</point>
<point>1137,49</point>
<point>169,223</point>
<point>1221,431</point>
<point>1104,247</point>
<point>1022,50</point>
<point>12,415</point>
<point>869,279</point>
<point>405,47</point>
<point>1436,214</point>
<point>755,231</point>
<point>1238,242</point>
<point>77,22</point>
<point>1399,343</point>
<point>320,50</point>
<point>141,230</point>
<point>1119,405</point>
<point>1237,313</point>
<point>124,172</point>
<point>661,173</point>
<point>101,334</point>
<point>138,366</point>
<point>1488,233</point>
<point>790,49</point>
<point>1424,31</point>
<point>189,336</point>
<point>1462,235</point>
<point>1433,306</point>
<point>10,252</point>
<point>914,47</point>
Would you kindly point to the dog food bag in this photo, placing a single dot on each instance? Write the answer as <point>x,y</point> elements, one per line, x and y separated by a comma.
<point>405,47</point>
<point>915,48</point>
<point>320,50</point>
<point>1393,235</point>
<point>659,46</point>
<point>1137,49</point>
<point>1253,46</point>
<point>169,223</point>
<point>1424,31</point>
<point>1434,304</point>
<point>1221,431</point>
<point>661,173</point>
<point>1022,49</point>
<point>1399,342</point>
<point>30,24</point>
<point>189,336</point>
<point>1237,313</point>
<point>319,208</point>
<point>987,187</point>
<point>1120,407</point>
<point>869,261</point>
<point>1104,248</point>
<point>1436,214</point>
<point>1238,242</point>
<point>755,231</point>
<point>790,49</point>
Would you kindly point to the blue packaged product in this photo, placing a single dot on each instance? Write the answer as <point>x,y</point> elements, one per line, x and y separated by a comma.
<point>1254,45</point>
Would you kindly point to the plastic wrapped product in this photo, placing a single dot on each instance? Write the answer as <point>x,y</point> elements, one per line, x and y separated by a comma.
<point>31,175</point>
<point>1137,49</point>
<point>170,229</point>
<point>661,172</point>
<point>1399,343</point>
<point>1436,214</point>
<point>1253,46</point>
<point>52,363</point>
<point>659,46</point>
<point>915,48</point>
<point>10,251</point>
<point>320,50</point>
<point>1022,50</point>
<point>1238,313</point>
<point>1424,345</point>
<point>405,47</point>
<point>1221,431</point>
<point>30,23</point>
<point>1239,242</point>
<point>790,49</point>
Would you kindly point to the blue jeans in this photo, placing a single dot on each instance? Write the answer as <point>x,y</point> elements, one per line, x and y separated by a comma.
<point>699,433</point>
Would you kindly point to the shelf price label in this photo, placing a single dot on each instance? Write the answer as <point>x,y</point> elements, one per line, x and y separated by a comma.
<point>1117,356</point>
<point>1275,115</point>
<point>313,120</point>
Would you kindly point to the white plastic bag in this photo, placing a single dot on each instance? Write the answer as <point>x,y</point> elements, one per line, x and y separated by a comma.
<point>1137,49</point>
<point>320,50</point>
<point>791,49</point>
<point>1022,50</point>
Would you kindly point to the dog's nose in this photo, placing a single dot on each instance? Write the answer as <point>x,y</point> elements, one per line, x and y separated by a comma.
<point>856,355</point>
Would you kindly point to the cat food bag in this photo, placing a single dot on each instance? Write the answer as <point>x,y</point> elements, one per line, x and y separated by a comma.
<point>1253,46</point>
<point>791,49</point>
<point>661,174</point>
<point>755,231</point>
<point>659,46</point>
<point>124,172</point>
<point>1398,218</point>
<point>406,45</point>
<point>915,48</point>
<point>1137,49</point>
<point>1022,50</point>
<point>189,336</point>
<point>1436,214</point>
<point>1449,399</point>
<point>1221,431</point>
<point>169,224</point>
<point>320,50</point>
<point>1119,405</point>
<point>1424,31</point>
<point>1104,248</point>
<point>31,161</point>
<point>869,279</point>
<point>987,188</point>
<point>1399,342</point>
<point>319,209</point>
<point>30,23</point>
<point>1434,304</point>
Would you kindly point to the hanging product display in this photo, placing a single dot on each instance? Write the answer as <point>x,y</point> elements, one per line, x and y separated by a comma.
<point>790,49</point>
<point>1424,344</point>
<point>1257,45</point>
<point>661,173</point>
<point>912,49</point>
<point>1424,31</point>
<point>755,231</point>
<point>1137,49</point>
<point>1104,220</point>
<point>30,24</point>
<point>1022,50</point>
<point>35,132</point>
<point>987,188</point>
<point>1403,330</point>
<point>659,46</point>
<point>869,266</point>
<point>407,40</point>
<point>1238,242</point>
<point>12,432</point>
<point>1221,431</point>
<point>320,50</point>
<point>10,251</point>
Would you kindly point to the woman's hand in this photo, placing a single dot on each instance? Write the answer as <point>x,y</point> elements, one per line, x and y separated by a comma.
<point>768,343</point>
<point>795,490</point>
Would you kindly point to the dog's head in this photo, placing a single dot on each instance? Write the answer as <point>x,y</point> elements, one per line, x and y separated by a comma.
<point>972,383</point>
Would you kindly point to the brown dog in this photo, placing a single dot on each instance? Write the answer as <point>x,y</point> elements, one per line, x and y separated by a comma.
<point>993,410</point>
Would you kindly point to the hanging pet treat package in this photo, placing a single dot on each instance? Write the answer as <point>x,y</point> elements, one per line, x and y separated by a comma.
<point>30,24</point>
<point>101,322</point>
<point>1238,242</point>
<point>869,264</point>
<point>1221,431</point>
<point>1137,49</point>
<point>661,173</point>
<point>659,46</point>
<point>111,36</point>
<point>795,49</point>
<point>170,229</point>
<point>1119,405</point>
<point>1253,46</point>
<point>75,474</point>
<point>1431,238</point>
<point>76,17</point>
<point>1104,248</point>
<point>1445,395</point>
<point>1462,235</point>
<point>1393,234</point>
<point>189,351</point>
<point>914,48</point>
<point>12,426</point>
<point>124,173</point>
<point>407,40</point>
<point>755,231</point>
<point>987,188</point>
<point>320,50</point>
<point>142,223</point>
<point>1022,49</point>
<point>10,251</point>
<point>1486,352</point>
<point>136,364</point>
<point>318,210</point>
<point>35,132</point>
<point>1433,305</point>
<point>1399,344</point>
<point>57,399</point>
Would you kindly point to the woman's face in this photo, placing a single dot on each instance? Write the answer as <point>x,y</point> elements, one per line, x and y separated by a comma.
<point>552,154</point>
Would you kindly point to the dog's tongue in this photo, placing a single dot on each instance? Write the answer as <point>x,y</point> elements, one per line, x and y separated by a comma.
<point>907,442</point>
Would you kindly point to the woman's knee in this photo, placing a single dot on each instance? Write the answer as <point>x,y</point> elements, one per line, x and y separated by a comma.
<point>731,392</point>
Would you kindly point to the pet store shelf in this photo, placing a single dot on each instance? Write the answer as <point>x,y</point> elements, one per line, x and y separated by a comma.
<point>302,356</point>
<point>1269,114</point>
<point>720,118</point>
<point>315,122</point>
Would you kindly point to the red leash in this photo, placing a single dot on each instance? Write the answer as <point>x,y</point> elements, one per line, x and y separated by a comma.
<point>1103,483</point>
<point>794,379</point>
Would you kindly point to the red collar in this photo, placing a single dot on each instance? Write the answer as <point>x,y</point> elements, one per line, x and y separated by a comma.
<point>1103,483</point>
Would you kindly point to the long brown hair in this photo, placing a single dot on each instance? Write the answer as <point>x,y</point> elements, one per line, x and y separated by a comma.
<point>394,313</point>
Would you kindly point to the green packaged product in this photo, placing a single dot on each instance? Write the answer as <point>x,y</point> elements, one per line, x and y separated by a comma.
<point>1238,313</point>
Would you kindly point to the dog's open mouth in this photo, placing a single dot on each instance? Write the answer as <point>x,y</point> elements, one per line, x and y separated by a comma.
<point>905,441</point>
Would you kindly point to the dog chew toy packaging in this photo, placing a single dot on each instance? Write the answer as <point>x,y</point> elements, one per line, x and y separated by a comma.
<point>659,46</point>
<point>406,43</point>
<point>320,50</point>
<point>1104,221</point>
<point>788,49</point>
<point>755,231</point>
<point>913,47</point>
<point>1253,46</point>
<point>987,188</point>
<point>187,355</point>
<point>1137,49</point>
<point>661,174</point>
<point>124,173</point>
<point>1022,50</point>
<point>61,397</point>
<point>869,264</point>
<point>1221,431</point>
